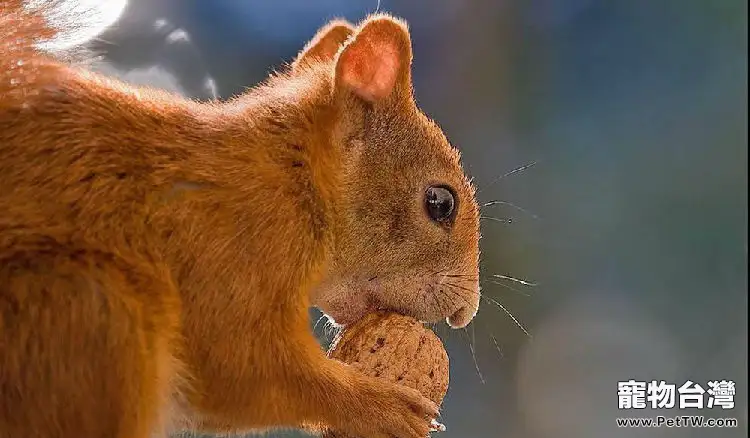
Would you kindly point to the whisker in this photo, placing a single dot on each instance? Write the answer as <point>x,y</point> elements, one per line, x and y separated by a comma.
<point>459,277</point>
<point>337,331</point>
<point>462,288</point>
<point>473,335</point>
<point>330,331</point>
<point>486,298</point>
<point>474,357</point>
<point>507,312</point>
<point>490,300</point>
<point>497,219</point>
<point>322,317</point>
<point>473,292</point>
<point>517,280</point>
<point>514,171</point>
<point>497,347</point>
<point>510,288</point>
<point>510,204</point>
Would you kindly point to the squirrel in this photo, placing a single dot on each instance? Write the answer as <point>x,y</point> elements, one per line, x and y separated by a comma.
<point>159,255</point>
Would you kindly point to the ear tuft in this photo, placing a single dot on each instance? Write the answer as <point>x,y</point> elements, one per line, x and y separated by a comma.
<point>377,61</point>
<point>325,44</point>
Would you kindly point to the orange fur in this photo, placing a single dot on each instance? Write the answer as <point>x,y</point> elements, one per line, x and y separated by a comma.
<point>151,245</point>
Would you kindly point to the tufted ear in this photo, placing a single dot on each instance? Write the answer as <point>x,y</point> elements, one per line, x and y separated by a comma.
<point>325,44</point>
<point>376,62</point>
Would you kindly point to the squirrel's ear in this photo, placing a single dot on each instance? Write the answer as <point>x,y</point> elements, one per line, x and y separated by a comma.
<point>376,62</point>
<point>325,44</point>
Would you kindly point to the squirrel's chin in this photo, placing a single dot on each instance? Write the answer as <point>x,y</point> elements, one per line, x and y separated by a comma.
<point>347,318</point>
<point>345,313</point>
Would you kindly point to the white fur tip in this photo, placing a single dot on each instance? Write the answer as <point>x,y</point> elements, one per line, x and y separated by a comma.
<point>77,21</point>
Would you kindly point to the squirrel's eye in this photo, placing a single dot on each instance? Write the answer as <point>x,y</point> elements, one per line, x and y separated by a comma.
<point>440,203</point>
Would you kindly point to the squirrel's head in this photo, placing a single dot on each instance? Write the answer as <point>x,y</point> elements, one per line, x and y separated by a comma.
<point>406,231</point>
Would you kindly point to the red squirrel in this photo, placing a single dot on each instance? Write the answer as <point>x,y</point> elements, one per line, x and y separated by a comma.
<point>158,256</point>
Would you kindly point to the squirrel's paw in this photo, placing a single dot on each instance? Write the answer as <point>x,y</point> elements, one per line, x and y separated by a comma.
<point>381,409</point>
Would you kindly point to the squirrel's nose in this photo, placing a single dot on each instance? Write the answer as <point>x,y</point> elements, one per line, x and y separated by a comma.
<point>461,318</point>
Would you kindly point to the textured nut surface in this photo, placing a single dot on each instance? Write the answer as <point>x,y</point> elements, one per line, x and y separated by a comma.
<point>397,348</point>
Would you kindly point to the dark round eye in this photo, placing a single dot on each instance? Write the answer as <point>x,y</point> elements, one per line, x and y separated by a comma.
<point>440,203</point>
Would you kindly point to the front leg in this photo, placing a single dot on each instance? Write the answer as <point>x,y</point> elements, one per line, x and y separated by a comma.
<point>296,385</point>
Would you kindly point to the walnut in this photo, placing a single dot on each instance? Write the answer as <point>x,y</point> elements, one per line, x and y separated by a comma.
<point>398,348</point>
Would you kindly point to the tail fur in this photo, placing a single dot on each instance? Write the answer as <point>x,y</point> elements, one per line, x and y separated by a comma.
<point>32,31</point>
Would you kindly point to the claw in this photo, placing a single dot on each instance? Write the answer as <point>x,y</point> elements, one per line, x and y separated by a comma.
<point>435,426</point>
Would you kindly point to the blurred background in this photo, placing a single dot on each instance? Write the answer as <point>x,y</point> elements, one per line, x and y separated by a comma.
<point>615,135</point>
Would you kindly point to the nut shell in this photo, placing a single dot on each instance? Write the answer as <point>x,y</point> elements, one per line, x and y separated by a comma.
<point>397,348</point>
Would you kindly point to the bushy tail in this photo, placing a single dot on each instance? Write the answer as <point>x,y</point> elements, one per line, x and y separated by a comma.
<point>20,28</point>
<point>33,29</point>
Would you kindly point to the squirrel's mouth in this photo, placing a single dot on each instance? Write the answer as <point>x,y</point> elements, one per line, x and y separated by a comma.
<point>456,320</point>
<point>345,303</point>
